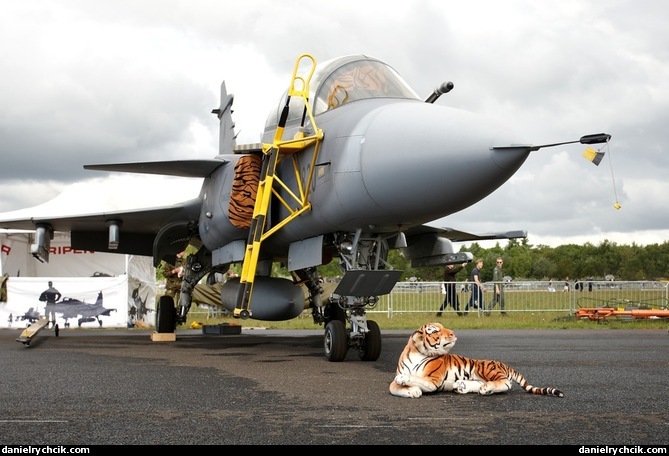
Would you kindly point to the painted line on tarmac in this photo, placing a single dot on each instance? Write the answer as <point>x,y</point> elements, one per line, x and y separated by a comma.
<point>34,421</point>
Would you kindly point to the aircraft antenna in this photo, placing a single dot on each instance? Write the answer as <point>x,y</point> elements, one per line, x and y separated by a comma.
<point>616,204</point>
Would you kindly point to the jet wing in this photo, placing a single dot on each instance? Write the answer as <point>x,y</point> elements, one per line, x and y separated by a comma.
<point>461,236</point>
<point>180,168</point>
<point>431,246</point>
<point>136,220</point>
<point>138,228</point>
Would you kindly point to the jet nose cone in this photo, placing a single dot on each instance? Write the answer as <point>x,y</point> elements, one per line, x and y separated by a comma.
<point>430,161</point>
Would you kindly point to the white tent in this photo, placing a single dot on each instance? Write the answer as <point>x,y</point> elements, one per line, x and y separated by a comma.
<point>97,289</point>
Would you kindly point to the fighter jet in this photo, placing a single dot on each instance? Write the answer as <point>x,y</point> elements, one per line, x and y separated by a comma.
<point>352,163</point>
<point>138,308</point>
<point>84,312</point>
<point>31,316</point>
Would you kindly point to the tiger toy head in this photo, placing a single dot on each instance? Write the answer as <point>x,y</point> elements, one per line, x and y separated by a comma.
<point>425,366</point>
<point>431,339</point>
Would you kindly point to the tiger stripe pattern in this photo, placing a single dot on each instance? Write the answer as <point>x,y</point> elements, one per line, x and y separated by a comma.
<point>425,366</point>
<point>244,191</point>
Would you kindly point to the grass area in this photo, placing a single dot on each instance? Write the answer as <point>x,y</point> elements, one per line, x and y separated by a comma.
<point>514,320</point>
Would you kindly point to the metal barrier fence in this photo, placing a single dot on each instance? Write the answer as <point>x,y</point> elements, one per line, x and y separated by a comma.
<point>528,296</point>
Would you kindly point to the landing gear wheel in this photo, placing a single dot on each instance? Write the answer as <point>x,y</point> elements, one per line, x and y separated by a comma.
<point>56,330</point>
<point>166,315</point>
<point>371,346</point>
<point>336,343</point>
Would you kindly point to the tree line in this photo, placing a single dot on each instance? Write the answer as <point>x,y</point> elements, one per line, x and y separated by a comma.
<point>527,262</point>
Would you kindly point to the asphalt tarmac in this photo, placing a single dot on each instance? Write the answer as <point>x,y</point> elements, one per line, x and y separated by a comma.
<point>267,387</point>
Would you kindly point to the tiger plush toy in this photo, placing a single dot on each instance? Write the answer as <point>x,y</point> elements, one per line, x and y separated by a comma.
<point>426,367</point>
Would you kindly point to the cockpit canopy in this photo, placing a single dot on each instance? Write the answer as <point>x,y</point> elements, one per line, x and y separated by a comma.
<point>345,80</point>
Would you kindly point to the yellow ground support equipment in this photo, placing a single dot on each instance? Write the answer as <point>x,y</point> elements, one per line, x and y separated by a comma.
<point>274,153</point>
<point>31,331</point>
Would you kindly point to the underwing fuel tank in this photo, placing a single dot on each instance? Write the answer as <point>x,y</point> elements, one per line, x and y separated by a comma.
<point>273,298</point>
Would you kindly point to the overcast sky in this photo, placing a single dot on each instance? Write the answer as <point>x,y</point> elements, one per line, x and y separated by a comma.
<point>87,81</point>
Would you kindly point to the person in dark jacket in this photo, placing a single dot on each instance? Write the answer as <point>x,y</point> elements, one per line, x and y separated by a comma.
<point>476,298</point>
<point>50,296</point>
<point>451,296</point>
<point>498,287</point>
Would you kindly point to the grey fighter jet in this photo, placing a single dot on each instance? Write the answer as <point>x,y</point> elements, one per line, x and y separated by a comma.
<point>352,163</point>
<point>84,312</point>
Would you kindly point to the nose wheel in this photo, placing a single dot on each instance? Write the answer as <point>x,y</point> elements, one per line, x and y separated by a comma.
<point>370,349</point>
<point>336,341</point>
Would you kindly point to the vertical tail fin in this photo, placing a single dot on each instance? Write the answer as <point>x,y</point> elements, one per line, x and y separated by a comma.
<point>227,137</point>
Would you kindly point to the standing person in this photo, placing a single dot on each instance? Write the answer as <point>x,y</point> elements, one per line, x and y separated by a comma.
<point>476,299</point>
<point>449,287</point>
<point>173,274</point>
<point>50,296</point>
<point>498,290</point>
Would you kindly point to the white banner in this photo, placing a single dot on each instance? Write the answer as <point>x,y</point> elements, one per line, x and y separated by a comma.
<point>95,289</point>
<point>64,261</point>
<point>100,302</point>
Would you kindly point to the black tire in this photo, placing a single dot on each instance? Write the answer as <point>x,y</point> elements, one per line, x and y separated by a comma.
<point>166,315</point>
<point>335,341</point>
<point>371,346</point>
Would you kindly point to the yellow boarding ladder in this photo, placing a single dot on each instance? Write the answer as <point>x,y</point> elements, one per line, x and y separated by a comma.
<point>274,153</point>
